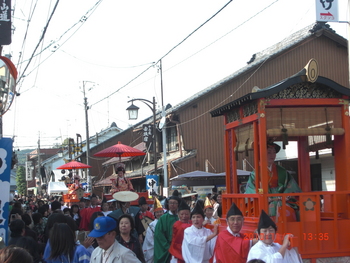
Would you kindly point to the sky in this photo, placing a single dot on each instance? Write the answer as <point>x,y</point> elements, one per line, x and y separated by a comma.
<point>110,47</point>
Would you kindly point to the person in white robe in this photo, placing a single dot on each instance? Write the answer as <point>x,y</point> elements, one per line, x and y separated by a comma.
<point>199,242</point>
<point>148,243</point>
<point>208,212</point>
<point>269,251</point>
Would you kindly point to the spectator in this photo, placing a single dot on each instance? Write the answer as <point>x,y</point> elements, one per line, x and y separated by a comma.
<point>55,205</point>
<point>31,246</point>
<point>75,214</point>
<point>66,211</point>
<point>28,231</point>
<point>39,227</point>
<point>44,211</point>
<point>82,203</point>
<point>17,228</point>
<point>91,226</point>
<point>58,218</point>
<point>40,203</point>
<point>105,209</point>
<point>124,237</point>
<point>105,233</point>
<point>62,247</point>
<point>13,254</point>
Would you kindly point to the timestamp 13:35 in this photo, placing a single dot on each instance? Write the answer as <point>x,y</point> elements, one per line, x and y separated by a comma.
<point>314,236</point>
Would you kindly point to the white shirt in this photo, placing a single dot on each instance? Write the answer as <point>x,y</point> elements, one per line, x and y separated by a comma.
<point>107,253</point>
<point>238,235</point>
<point>195,247</point>
<point>212,219</point>
<point>106,213</point>
<point>148,244</point>
<point>270,254</point>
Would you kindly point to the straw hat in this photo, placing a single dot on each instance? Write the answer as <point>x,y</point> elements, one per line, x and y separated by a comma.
<point>125,196</point>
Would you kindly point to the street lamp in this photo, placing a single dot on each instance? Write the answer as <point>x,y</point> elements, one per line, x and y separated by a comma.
<point>133,113</point>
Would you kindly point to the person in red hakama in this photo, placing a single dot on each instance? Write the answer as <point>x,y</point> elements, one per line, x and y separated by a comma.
<point>86,214</point>
<point>178,232</point>
<point>231,246</point>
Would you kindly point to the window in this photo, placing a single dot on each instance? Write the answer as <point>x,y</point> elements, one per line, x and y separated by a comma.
<point>172,142</point>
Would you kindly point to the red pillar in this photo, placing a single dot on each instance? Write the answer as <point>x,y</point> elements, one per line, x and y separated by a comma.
<point>304,164</point>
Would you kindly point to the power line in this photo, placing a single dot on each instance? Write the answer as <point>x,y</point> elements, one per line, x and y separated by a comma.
<point>229,32</point>
<point>25,35</point>
<point>81,20</point>
<point>134,66</point>
<point>41,39</point>
<point>165,54</point>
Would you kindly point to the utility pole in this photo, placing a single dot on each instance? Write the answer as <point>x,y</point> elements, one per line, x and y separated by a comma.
<point>165,164</point>
<point>39,164</point>
<point>86,107</point>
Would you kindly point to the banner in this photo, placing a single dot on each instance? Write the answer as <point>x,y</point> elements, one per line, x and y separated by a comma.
<point>5,22</point>
<point>327,11</point>
<point>5,172</point>
<point>147,134</point>
<point>152,185</point>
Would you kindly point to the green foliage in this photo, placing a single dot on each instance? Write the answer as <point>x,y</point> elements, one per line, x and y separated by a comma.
<point>21,180</point>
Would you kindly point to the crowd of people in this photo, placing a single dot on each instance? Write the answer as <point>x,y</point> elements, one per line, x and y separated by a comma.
<point>94,230</point>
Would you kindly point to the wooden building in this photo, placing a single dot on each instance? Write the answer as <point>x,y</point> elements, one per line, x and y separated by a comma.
<point>196,139</point>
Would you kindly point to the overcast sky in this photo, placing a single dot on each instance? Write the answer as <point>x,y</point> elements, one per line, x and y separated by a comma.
<point>121,39</point>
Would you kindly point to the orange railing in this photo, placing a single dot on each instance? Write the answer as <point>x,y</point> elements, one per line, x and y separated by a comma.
<point>322,228</point>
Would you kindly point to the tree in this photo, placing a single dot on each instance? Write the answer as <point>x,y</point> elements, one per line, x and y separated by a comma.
<point>21,180</point>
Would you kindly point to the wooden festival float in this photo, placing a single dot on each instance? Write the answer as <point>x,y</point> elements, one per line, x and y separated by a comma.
<point>312,111</point>
<point>75,190</point>
<point>107,183</point>
<point>119,150</point>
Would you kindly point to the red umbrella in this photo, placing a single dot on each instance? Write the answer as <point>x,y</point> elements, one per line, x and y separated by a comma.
<point>74,165</point>
<point>120,150</point>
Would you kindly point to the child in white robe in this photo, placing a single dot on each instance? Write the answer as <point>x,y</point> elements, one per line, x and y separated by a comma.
<point>269,251</point>
<point>199,242</point>
<point>208,211</point>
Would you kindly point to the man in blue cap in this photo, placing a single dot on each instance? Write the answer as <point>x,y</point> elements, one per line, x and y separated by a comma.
<point>109,249</point>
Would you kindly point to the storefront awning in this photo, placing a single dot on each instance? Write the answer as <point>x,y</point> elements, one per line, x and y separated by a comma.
<point>200,178</point>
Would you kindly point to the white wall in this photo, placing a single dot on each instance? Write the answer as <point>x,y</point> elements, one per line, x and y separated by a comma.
<point>328,171</point>
<point>326,160</point>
